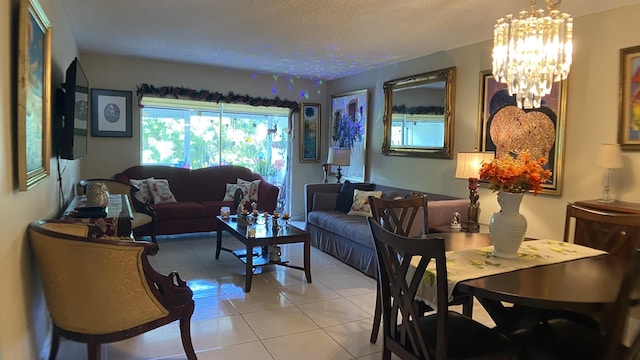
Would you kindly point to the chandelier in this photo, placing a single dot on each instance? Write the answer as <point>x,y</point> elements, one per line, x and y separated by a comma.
<point>532,51</point>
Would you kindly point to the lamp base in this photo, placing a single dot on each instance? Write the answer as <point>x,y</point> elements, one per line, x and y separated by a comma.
<point>470,227</point>
<point>339,174</point>
<point>606,195</point>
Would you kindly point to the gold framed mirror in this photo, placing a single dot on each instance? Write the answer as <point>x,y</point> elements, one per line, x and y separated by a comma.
<point>419,115</point>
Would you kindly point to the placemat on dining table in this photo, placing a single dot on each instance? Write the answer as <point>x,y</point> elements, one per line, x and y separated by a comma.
<point>475,263</point>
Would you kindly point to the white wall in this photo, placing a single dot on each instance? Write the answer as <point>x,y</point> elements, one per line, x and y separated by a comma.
<point>108,156</point>
<point>24,320</point>
<point>591,119</point>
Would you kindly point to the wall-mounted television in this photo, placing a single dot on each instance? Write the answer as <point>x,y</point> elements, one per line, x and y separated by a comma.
<point>72,142</point>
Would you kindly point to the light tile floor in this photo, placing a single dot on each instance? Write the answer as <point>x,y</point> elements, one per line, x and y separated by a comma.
<point>282,317</point>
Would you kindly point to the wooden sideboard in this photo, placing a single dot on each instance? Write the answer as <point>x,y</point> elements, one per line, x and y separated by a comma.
<point>616,206</point>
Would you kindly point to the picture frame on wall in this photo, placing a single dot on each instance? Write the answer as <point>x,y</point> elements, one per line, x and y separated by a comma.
<point>348,121</point>
<point>34,95</point>
<point>540,131</point>
<point>629,107</point>
<point>310,130</point>
<point>111,113</point>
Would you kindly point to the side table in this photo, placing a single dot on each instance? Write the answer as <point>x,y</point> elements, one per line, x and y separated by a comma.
<point>115,220</point>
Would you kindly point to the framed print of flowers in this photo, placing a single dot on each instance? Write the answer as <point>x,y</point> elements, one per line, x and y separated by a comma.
<point>348,121</point>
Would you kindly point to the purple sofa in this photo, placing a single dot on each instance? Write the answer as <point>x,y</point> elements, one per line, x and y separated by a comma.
<point>199,195</point>
<point>348,237</point>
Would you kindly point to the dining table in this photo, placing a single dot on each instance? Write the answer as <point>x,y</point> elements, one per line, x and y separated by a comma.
<point>561,275</point>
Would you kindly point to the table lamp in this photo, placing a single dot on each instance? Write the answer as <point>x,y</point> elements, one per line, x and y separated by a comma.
<point>340,157</point>
<point>609,157</point>
<point>468,166</point>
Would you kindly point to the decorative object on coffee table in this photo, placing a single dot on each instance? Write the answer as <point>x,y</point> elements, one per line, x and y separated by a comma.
<point>468,167</point>
<point>512,176</point>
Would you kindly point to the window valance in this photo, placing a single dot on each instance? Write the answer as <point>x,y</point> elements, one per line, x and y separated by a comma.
<point>206,95</point>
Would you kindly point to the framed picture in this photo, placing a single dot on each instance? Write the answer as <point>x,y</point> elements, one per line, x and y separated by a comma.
<point>34,95</point>
<point>310,118</point>
<point>348,119</point>
<point>505,128</point>
<point>629,108</point>
<point>110,113</point>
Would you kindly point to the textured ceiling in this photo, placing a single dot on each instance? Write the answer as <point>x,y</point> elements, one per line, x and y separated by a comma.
<point>320,39</point>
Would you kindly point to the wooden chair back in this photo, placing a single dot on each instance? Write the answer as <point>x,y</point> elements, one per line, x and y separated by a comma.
<point>401,216</point>
<point>616,233</point>
<point>395,252</point>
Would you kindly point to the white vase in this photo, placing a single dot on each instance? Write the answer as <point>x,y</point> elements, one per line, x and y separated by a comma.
<point>508,227</point>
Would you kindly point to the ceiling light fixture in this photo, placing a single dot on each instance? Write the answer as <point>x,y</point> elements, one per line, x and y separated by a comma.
<point>532,51</point>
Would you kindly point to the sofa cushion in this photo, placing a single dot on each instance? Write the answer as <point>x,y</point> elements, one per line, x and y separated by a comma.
<point>361,204</point>
<point>231,190</point>
<point>161,191</point>
<point>324,201</point>
<point>345,195</point>
<point>180,210</point>
<point>254,186</point>
<point>354,228</point>
<point>144,195</point>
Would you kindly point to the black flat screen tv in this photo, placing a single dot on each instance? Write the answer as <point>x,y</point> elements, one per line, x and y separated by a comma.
<point>75,114</point>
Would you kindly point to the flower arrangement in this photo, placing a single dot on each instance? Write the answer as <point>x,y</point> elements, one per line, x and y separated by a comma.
<point>515,174</point>
<point>347,131</point>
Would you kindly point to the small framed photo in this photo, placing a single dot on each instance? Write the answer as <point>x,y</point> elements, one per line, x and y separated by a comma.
<point>310,118</point>
<point>629,122</point>
<point>111,113</point>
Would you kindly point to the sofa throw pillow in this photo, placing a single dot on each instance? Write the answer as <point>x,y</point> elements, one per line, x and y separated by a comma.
<point>361,204</point>
<point>231,191</point>
<point>253,188</point>
<point>144,195</point>
<point>160,191</point>
<point>345,195</point>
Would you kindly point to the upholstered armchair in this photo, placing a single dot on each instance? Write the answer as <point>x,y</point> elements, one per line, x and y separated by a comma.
<point>144,217</point>
<point>100,291</point>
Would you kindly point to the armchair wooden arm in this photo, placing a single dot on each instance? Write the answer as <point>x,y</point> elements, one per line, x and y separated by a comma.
<point>100,291</point>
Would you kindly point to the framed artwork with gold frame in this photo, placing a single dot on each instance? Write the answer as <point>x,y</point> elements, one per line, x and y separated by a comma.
<point>540,131</point>
<point>629,108</point>
<point>34,95</point>
<point>310,120</point>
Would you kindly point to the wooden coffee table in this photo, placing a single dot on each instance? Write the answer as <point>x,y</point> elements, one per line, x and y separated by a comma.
<point>265,236</point>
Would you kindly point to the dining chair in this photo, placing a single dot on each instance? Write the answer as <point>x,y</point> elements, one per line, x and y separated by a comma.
<point>101,291</point>
<point>616,233</point>
<point>144,217</point>
<point>407,217</point>
<point>408,332</point>
<point>562,338</point>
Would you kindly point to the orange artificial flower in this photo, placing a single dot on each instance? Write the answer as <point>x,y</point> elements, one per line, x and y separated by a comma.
<point>515,174</point>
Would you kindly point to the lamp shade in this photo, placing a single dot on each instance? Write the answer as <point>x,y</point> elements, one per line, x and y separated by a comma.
<point>609,156</point>
<point>339,156</point>
<point>468,164</point>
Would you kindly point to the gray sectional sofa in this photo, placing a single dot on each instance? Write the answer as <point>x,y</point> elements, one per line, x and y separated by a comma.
<point>347,237</point>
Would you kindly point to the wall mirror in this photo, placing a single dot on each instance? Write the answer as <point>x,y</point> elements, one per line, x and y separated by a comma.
<point>418,115</point>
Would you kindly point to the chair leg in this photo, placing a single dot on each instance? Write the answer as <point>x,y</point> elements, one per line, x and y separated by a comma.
<point>185,334</point>
<point>55,344</point>
<point>377,318</point>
